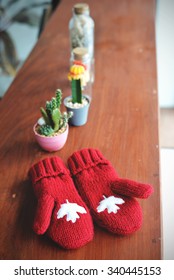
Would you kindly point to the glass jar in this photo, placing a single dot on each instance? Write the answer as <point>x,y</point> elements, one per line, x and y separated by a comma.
<point>81,28</point>
<point>81,56</point>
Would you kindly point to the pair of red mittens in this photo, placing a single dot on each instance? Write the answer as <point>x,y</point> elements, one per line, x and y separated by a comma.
<point>64,214</point>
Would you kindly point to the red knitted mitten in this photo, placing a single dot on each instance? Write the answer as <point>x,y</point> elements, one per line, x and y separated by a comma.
<point>60,211</point>
<point>109,197</point>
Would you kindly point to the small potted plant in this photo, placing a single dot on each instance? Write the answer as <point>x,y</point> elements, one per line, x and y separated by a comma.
<point>78,103</point>
<point>51,130</point>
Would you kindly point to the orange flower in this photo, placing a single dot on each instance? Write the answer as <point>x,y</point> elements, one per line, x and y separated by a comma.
<point>78,71</point>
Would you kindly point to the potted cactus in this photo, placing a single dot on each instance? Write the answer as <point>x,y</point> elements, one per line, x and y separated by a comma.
<point>51,130</point>
<point>78,103</point>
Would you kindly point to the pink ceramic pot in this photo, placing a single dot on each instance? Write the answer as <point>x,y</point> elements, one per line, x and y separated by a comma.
<point>51,143</point>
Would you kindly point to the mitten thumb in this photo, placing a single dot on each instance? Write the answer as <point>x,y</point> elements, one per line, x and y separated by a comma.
<point>131,188</point>
<point>43,213</point>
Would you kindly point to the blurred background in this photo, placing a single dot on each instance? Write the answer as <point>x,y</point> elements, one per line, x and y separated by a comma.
<point>21,24</point>
<point>165,70</point>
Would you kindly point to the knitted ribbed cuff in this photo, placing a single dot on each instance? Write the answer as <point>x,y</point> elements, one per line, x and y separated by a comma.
<point>85,159</point>
<point>49,167</point>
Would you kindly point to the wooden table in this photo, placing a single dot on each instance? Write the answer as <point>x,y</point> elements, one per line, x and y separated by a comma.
<point>123,124</point>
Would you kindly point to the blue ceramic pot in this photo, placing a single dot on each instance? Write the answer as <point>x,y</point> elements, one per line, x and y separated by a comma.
<point>80,114</point>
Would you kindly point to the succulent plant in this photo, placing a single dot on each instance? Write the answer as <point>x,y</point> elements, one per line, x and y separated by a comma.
<point>52,118</point>
<point>46,130</point>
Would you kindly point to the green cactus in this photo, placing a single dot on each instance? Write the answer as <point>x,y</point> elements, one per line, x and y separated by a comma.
<point>45,116</point>
<point>58,97</point>
<point>76,91</point>
<point>65,117</point>
<point>52,116</point>
<point>46,130</point>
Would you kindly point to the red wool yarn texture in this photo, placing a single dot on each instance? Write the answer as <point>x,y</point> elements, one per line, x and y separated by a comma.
<point>60,210</point>
<point>110,199</point>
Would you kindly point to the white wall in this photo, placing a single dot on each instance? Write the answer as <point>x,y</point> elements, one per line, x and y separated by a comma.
<point>165,51</point>
<point>167,191</point>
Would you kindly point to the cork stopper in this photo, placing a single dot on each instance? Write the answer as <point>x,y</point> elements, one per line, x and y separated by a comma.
<point>80,53</point>
<point>81,8</point>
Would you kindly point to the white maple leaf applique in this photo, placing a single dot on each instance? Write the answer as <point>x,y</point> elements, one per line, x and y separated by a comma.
<point>70,211</point>
<point>109,203</point>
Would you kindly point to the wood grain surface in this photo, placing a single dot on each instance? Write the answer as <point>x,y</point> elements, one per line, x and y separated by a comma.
<point>123,124</point>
